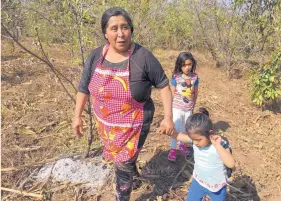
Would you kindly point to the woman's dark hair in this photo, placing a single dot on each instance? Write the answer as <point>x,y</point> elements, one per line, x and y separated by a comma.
<point>199,123</point>
<point>181,59</point>
<point>115,12</point>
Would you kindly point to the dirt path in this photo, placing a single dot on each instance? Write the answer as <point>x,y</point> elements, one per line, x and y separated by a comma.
<point>36,112</point>
<point>253,134</point>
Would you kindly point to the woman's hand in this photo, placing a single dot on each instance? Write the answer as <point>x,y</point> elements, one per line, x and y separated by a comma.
<point>167,122</point>
<point>77,123</point>
<point>77,126</point>
<point>167,126</point>
<point>216,140</point>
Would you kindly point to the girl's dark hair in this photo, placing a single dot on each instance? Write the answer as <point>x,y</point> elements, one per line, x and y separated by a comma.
<point>181,59</point>
<point>199,123</point>
<point>203,110</point>
<point>115,12</point>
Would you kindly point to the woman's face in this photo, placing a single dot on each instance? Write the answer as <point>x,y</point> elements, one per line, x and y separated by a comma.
<point>118,33</point>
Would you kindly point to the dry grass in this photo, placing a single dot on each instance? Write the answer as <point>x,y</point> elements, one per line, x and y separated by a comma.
<point>36,129</point>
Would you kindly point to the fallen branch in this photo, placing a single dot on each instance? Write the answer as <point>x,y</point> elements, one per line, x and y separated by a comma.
<point>6,37</point>
<point>38,196</point>
<point>55,71</point>
<point>189,162</point>
<point>238,190</point>
<point>178,197</point>
<point>182,169</point>
<point>32,148</point>
<point>78,194</point>
<point>46,61</point>
<point>273,126</point>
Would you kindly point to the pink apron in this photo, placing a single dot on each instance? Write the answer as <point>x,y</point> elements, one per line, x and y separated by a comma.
<point>118,117</point>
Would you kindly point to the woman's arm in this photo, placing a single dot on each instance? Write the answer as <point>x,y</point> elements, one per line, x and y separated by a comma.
<point>173,90</point>
<point>83,91</point>
<point>77,124</point>
<point>225,154</point>
<point>166,97</point>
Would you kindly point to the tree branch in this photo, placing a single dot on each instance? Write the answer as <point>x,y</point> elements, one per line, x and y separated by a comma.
<point>90,120</point>
<point>49,64</point>
<point>211,49</point>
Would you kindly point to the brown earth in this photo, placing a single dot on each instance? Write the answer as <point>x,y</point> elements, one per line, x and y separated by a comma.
<point>36,125</point>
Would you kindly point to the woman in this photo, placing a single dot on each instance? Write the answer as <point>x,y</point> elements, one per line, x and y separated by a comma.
<point>119,77</point>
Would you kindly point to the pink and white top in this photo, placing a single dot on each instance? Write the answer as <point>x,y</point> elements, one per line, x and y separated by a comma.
<point>185,91</point>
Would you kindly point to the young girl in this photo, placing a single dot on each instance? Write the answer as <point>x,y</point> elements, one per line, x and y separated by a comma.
<point>211,155</point>
<point>184,89</point>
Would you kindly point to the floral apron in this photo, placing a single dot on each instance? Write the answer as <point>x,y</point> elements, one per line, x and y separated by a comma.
<point>118,117</point>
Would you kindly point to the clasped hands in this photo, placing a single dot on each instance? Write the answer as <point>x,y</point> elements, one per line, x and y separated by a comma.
<point>166,127</point>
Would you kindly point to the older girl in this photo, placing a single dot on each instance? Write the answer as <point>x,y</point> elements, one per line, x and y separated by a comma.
<point>185,90</point>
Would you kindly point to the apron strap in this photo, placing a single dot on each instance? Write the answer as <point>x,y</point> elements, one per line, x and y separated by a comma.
<point>105,53</point>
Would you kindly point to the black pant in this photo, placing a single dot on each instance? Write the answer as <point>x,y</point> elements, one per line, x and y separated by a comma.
<point>125,171</point>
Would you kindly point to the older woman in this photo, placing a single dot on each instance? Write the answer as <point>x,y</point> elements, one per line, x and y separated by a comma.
<point>118,76</point>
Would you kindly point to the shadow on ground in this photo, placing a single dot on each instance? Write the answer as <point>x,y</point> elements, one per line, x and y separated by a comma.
<point>171,180</point>
<point>221,126</point>
<point>164,175</point>
<point>274,106</point>
<point>242,188</point>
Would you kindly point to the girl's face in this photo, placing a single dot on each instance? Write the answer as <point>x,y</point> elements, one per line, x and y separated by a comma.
<point>118,33</point>
<point>199,140</point>
<point>186,66</point>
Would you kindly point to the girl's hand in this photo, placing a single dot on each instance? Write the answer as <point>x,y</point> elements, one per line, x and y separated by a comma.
<point>225,154</point>
<point>161,130</point>
<point>77,126</point>
<point>216,140</point>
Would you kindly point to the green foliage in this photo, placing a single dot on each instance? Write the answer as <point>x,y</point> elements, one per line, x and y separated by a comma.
<point>266,81</point>
<point>12,16</point>
<point>175,30</point>
<point>233,33</point>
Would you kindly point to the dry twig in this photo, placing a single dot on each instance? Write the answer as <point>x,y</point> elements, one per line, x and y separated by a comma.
<point>182,169</point>
<point>237,190</point>
<point>35,195</point>
<point>45,60</point>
